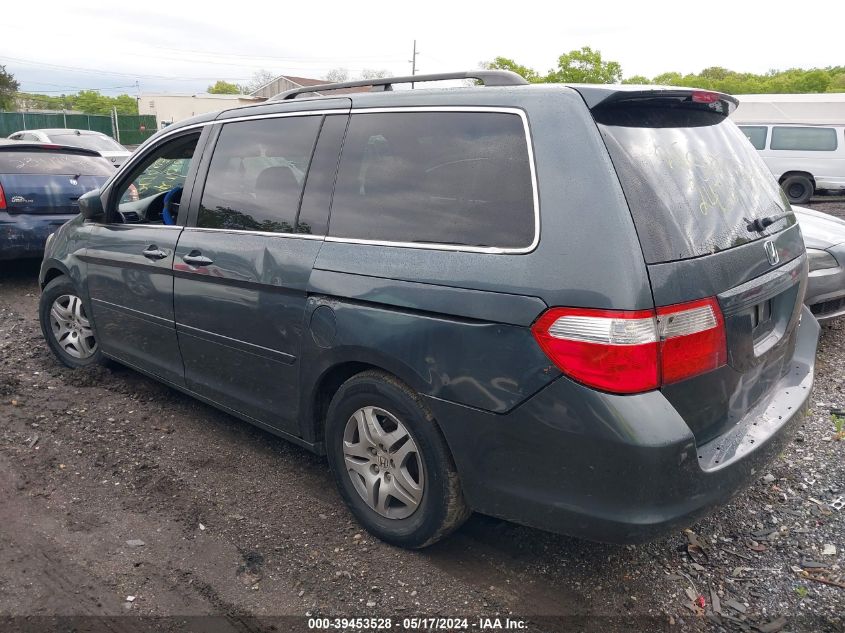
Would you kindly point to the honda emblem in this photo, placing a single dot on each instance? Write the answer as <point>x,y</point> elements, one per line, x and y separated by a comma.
<point>771,252</point>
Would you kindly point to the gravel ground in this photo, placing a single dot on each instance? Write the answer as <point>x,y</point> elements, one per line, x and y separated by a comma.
<point>113,487</point>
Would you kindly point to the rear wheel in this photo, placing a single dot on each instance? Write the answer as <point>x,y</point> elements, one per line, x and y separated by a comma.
<point>66,325</point>
<point>798,188</point>
<point>391,463</point>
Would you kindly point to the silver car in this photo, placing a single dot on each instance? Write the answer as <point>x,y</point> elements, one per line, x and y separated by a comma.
<point>824,237</point>
<point>104,144</point>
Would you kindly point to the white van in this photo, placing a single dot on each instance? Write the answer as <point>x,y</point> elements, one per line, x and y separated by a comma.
<point>804,158</point>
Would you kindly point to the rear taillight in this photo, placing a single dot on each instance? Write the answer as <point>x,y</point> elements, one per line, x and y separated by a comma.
<point>634,351</point>
<point>692,339</point>
<point>2,198</point>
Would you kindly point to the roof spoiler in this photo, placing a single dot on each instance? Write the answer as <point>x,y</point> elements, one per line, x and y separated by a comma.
<point>486,77</point>
<point>23,146</point>
<point>598,95</point>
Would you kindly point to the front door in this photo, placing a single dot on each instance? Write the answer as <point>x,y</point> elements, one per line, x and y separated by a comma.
<point>130,259</point>
<point>242,266</point>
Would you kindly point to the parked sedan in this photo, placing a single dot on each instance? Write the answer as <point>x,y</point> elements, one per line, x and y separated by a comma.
<point>39,188</point>
<point>824,237</point>
<point>101,143</point>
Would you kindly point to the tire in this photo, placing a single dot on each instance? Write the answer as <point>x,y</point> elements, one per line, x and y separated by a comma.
<point>424,501</point>
<point>799,189</point>
<point>66,325</point>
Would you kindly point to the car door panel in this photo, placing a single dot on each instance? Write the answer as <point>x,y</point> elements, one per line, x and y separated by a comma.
<point>132,296</point>
<point>240,319</point>
<point>130,276</point>
<point>240,293</point>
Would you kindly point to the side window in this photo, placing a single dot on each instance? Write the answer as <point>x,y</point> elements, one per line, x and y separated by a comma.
<point>256,175</point>
<point>814,139</point>
<point>756,134</point>
<point>457,178</point>
<point>153,191</point>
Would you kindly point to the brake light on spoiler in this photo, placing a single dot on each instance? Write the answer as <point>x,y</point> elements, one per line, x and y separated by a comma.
<point>634,351</point>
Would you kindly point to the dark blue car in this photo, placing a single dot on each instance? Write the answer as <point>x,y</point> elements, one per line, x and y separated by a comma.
<point>39,188</point>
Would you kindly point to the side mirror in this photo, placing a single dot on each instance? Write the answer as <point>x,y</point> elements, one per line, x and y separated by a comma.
<point>91,205</point>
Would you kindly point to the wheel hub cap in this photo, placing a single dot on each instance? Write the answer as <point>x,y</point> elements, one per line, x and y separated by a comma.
<point>71,327</point>
<point>383,462</point>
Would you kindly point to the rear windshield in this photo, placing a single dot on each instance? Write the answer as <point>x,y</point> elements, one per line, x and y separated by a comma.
<point>88,141</point>
<point>692,180</point>
<point>18,162</point>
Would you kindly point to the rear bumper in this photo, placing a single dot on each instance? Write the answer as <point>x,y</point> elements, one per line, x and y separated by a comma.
<point>618,469</point>
<point>826,288</point>
<point>23,235</point>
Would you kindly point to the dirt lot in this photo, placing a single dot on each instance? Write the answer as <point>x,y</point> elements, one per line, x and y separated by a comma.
<point>120,497</point>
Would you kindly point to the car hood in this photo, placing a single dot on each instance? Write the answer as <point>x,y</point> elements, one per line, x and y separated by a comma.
<point>820,230</point>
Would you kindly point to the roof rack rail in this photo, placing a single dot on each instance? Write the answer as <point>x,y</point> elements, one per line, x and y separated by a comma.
<point>486,77</point>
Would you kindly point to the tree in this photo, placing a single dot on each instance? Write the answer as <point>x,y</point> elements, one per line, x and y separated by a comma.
<point>637,79</point>
<point>224,88</point>
<point>8,89</point>
<point>585,66</point>
<point>259,79</point>
<point>336,75</point>
<point>503,63</point>
<point>370,73</point>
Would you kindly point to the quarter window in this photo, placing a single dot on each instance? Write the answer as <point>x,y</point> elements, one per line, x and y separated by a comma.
<point>813,139</point>
<point>457,178</point>
<point>756,134</point>
<point>256,175</point>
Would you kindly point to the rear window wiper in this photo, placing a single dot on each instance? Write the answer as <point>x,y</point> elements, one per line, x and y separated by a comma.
<point>761,224</point>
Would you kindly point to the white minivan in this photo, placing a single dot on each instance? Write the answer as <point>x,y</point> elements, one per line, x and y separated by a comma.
<point>804,158</point>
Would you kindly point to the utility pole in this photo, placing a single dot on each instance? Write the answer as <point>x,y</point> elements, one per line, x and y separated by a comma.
<point>413,61</point>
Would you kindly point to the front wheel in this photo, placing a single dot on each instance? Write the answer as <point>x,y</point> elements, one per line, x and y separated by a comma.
<point>66,324</point>
<point>391,463</point>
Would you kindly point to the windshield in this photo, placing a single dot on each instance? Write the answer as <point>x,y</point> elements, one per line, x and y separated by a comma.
<point>692,180</point>
<point>88,141</point>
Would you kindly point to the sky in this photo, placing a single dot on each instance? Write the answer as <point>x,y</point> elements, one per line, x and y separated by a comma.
<point>183,46</point>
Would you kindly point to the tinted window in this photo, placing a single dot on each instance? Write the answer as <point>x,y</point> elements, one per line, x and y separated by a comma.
<point>256,175</point>
<point>88,141</point>
<point>692,180</point>
<point>52,162</point>
<point>756,134</point>
<point>314,211</point>
<point>814,139</point>
<point>446,177</point>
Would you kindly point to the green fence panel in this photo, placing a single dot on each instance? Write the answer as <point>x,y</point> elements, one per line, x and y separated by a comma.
<point>134,128</point>
<point>10,122</point>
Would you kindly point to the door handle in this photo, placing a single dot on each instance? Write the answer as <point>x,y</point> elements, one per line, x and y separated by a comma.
<point>195,258</point>
<point>153,252</point>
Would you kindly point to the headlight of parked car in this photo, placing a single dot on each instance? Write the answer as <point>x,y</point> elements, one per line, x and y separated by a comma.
<point>820,259</point>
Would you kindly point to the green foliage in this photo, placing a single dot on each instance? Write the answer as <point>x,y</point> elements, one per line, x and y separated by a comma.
<point>838,423</point>
<point>585,66</point>
<point>87,101</point>
<point>802,592</point>
<point>224,88</point>
<point>8,88</point>
<point>503,63</point>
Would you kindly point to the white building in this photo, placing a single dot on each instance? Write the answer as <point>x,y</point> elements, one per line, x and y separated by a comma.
<point>169,108</point>
<point>825,108</point>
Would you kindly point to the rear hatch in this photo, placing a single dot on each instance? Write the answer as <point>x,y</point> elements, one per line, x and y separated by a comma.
<point>47,179</point>
<point>712,223</point>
